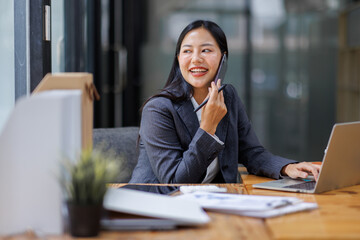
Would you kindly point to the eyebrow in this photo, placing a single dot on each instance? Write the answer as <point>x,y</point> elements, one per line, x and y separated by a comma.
<point>203,45</point>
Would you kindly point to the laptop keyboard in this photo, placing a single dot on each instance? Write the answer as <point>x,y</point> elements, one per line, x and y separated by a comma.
<point>309,185</point>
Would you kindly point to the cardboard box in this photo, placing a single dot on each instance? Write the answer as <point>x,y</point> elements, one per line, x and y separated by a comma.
<point>84,82</point>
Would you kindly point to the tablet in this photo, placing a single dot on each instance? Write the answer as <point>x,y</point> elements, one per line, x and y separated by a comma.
<point>161,189</point>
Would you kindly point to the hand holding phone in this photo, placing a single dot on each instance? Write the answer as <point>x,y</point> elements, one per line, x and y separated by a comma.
<point>220,74</point>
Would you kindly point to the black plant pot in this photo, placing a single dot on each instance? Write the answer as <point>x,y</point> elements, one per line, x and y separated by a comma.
<point>84,220</point>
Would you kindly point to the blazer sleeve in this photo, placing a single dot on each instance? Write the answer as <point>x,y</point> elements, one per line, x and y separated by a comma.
<point>162,133</point>
<point>252,154</point>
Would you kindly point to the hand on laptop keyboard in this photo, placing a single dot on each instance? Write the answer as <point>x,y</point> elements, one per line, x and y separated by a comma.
<point>301,170</point>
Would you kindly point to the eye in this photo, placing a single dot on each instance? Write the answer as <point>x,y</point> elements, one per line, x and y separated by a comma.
<point>186,51</point>
<point>206,50</point>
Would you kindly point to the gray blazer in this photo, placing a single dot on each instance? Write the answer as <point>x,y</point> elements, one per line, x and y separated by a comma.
<point>173,149</point>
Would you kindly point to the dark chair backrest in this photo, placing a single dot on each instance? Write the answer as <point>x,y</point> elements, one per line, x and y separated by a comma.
<point>123,142</point>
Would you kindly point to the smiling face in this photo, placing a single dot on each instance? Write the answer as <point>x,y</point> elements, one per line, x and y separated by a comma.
<point>199,59</point>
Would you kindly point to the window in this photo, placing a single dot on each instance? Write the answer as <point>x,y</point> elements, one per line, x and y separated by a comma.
<point>57,36</point>
<point>7,79</point>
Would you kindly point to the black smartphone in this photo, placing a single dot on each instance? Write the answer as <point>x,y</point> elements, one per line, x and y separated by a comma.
<point>221,70</point>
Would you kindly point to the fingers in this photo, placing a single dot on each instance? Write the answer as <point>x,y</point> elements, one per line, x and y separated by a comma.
<point>216,87</point>
<point>217,97</point>
<point>213,91</point>
<point>221,97</point>
<point>221,94</point>
<point>302,174</point>
<point>310,168</point>
<point>218,83</point>
<point>302,170</point>
<point>214,110</point>
<point>315,171</point>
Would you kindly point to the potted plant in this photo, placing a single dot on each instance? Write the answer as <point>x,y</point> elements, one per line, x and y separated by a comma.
<point>84,182</point>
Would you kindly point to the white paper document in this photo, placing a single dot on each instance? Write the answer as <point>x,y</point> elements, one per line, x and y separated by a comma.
<point>248,205</point>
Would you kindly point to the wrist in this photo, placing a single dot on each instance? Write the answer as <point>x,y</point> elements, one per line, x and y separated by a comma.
<point>210,131</point>
<point>283,170</point>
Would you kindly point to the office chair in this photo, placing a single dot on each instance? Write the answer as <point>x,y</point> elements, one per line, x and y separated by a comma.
<point>123,142</point>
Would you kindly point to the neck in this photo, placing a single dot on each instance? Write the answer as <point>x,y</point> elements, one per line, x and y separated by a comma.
<point>200,95</point>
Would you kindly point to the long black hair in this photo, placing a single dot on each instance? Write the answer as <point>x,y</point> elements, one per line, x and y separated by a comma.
<point>176,88</point>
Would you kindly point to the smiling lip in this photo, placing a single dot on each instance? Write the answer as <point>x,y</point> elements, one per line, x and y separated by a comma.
<point>198,71</point>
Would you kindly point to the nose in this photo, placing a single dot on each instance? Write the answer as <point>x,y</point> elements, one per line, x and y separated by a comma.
<point>197,58</point>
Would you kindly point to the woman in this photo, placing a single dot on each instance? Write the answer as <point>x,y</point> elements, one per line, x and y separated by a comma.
<point>178,145</point>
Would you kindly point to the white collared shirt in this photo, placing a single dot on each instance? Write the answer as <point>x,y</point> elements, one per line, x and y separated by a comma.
<point>214,167</point>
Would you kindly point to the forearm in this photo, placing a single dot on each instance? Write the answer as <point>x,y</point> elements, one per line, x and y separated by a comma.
<point>266,164</point>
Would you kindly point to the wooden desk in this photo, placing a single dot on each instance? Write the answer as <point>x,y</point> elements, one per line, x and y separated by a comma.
<point>338,217</point>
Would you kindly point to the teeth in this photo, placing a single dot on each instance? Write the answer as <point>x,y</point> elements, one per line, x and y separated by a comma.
<point>198,70</point>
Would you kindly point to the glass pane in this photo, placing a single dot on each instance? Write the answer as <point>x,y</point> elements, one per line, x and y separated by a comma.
<point>57,36</point>
<point>294,77</point>
<point>7,79</point>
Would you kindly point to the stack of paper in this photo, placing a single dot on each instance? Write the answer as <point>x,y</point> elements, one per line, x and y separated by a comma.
<point>248,205</point>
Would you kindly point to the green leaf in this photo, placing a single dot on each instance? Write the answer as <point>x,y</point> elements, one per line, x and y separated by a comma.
<point>84,180</point>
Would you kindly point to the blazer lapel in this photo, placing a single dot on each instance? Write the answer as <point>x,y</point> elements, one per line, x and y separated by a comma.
<point>222,128</point>
<point>187,115</point>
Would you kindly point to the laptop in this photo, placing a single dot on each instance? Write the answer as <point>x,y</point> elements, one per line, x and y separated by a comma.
<point>339,169</point>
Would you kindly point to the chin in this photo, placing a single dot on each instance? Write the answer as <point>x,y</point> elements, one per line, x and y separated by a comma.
<point>198,84</point>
